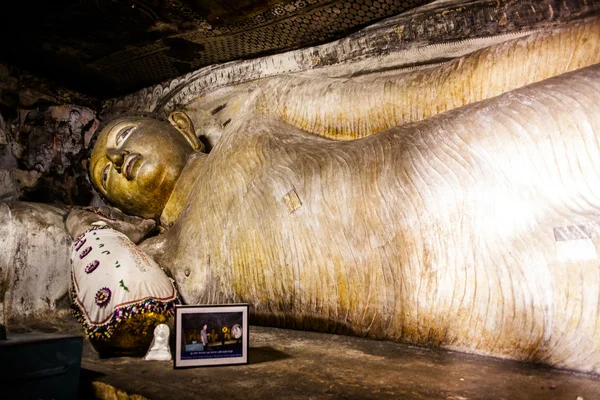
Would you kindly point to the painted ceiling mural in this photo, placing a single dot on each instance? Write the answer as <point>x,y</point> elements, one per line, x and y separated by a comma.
<point>112,47</point>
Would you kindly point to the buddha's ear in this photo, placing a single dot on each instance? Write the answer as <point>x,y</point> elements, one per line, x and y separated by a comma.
<point>185,126</point>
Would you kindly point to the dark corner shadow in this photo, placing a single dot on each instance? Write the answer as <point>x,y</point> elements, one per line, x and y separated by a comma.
<point>86,377</point>
<point>259,355</point>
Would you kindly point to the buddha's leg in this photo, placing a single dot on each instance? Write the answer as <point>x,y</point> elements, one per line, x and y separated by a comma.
<point>356,107</point>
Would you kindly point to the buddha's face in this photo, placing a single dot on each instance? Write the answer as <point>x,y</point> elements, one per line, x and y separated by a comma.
<point>136,162</point>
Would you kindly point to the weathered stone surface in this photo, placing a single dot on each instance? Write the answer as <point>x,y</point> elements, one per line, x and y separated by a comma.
<point>34,261</point>
<point>43,141</point>
<point>300,365</point>
<point>52,152</point>
<point>290,364</point>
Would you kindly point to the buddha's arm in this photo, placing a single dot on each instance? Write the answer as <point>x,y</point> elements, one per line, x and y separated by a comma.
<point>356,107</point>
<point>79,220</point>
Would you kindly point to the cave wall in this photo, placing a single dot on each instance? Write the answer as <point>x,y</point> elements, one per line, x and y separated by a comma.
<point>45,133</point>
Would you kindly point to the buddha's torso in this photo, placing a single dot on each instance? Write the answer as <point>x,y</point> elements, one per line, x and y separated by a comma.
<point>408,234</point>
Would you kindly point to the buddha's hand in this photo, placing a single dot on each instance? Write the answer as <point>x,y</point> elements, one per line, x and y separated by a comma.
<point>81,219</point>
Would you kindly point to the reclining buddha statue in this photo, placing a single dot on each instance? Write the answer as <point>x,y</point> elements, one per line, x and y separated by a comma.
<point>454,205</point>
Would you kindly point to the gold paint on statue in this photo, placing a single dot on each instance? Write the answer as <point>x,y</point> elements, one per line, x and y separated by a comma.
<point>136,162</point>
<point>292,200</point>
<point>353,109</point>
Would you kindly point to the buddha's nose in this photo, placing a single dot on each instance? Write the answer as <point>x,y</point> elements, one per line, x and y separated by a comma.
<point>116,157</point>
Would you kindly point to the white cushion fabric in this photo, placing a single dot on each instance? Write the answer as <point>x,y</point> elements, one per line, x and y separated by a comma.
<point>113,279</point>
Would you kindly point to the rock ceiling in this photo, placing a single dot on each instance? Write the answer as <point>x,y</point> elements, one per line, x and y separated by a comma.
<point>110,47</point>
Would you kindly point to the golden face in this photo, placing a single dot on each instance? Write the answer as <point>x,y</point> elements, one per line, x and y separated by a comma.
<point>136,162</point>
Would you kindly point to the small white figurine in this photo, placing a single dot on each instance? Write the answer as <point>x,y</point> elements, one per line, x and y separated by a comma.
<point>159,349</point>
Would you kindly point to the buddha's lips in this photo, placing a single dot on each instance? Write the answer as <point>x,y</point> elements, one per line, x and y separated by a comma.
<point>130,161</point>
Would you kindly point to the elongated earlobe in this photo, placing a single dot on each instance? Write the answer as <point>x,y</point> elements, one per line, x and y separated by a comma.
<point>184,124</point>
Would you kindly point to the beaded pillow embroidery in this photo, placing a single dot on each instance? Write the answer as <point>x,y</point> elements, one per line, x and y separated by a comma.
<point>112,279</point>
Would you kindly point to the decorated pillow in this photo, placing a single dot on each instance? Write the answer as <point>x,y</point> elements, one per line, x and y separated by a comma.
<point>112,280</point>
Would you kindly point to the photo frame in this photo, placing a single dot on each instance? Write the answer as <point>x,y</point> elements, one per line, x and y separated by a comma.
<point>211,335</point>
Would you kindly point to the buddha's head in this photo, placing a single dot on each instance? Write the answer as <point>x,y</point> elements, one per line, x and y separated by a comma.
<point>136,161</point>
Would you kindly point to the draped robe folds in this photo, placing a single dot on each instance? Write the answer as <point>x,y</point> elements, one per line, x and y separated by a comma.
<point>441,232</point>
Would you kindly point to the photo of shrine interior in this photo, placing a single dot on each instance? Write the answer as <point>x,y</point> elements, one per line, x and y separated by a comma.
<point>405,194</point>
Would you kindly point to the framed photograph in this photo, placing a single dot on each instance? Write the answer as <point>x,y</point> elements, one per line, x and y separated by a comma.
<point>211,335</point>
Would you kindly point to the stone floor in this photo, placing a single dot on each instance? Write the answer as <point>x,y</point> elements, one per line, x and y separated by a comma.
<point>285,364</point>
<point>302,365</point>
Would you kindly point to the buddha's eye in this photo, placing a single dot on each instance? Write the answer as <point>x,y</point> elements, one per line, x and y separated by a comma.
<point>105,175</point>
<point>121,136</point>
